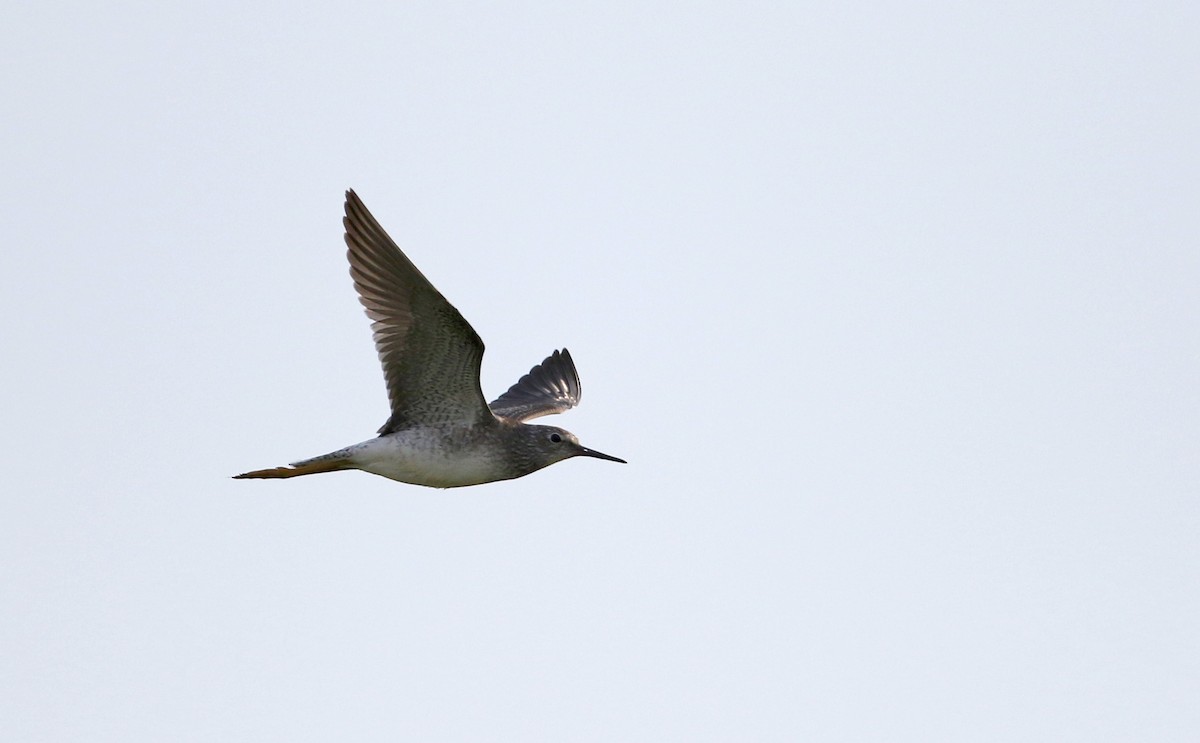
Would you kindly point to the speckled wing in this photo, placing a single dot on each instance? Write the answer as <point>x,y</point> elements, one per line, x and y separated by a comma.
<point>430,354</point>
<point>550,387</point>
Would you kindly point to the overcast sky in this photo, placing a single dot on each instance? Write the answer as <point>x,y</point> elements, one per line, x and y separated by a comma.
<point>893,311</point>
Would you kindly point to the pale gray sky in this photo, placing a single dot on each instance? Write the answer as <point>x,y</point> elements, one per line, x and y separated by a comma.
<point>892,310</point>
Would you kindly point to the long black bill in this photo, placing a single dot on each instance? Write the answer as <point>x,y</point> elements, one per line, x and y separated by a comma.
<point>586,452</point>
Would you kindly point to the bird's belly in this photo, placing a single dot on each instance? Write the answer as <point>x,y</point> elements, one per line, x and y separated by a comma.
<point>428,460</point>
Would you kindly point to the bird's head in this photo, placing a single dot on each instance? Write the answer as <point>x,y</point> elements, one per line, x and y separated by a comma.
<point>541,446</point>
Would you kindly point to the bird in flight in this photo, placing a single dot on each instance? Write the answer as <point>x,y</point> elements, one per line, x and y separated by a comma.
<point>441,432</point>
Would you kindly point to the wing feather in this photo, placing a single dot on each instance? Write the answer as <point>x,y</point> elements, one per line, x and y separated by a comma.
<point>550,387</point>
<point>429,352</point>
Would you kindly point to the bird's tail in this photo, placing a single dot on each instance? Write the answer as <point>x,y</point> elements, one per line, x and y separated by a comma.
<point>325,463</point>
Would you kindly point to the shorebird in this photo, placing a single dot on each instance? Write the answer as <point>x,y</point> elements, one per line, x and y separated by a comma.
<point>441,433</point>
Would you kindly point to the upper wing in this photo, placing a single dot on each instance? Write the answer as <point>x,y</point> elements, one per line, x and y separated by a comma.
<point>550,387</point>
<point>430,354</point>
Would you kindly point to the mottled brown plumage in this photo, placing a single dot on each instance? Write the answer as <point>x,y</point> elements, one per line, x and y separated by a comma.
<point>441,432</point>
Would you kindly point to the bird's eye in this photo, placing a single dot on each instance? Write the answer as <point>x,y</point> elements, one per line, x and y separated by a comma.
<point>556,438</point>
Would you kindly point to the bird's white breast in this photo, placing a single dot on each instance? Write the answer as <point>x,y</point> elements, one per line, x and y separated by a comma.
<point>435,458</point>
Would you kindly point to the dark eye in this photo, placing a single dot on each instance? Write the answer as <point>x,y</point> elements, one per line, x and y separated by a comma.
<point>555,438</point>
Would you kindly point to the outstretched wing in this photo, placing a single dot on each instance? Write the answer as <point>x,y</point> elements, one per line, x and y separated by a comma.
<point>550,387</point>
<point>430,354</point>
